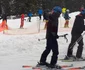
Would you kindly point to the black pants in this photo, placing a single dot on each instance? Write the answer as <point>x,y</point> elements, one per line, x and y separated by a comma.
<point>40,16</point>
<point>51,45</point>
<point>29,19</point>
<point>71,46</point>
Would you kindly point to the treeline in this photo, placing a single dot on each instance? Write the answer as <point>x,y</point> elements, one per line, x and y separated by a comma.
<point>15,7</point>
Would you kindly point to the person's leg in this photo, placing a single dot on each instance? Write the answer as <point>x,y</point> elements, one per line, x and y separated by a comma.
<point>55,52</point>
<point>71,45</point>
<point>46,51</point>
<point>44,55</point>
<point>80,49</point>
<point>22,23</point>
<point>53,63</point>
<point>67,23</point>
<point>40,16</point>
<point>29,19</point>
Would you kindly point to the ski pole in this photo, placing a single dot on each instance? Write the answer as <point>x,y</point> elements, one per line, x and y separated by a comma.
<point>64,37</point>
<point>78,40</point>
<point>41,39</point>
<point>59,36</point>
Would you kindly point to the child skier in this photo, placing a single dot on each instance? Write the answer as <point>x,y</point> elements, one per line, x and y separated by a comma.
<point>40,12</point>
<point>63,11</point>
<point>66,16</point>
<point>4,25</point>
<point>22,21</point>
<point>29,15</point>
<point>76,32</point>
<point>51,37</point>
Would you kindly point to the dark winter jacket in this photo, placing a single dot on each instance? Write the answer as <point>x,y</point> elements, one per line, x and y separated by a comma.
<point>52,26</point>
<point>4,17</point>
<point>78,26</point>
<point>66,16</point>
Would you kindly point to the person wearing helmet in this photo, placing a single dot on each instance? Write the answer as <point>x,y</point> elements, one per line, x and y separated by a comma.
<point>66,17</point>
<point>77,30</point>
<point>51,39</point>
<point>40,12</point>
<point>29,15</point>
<point>63,11</point>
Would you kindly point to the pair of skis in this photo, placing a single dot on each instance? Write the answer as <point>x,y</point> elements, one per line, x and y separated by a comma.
<point>64,67</point>
<point>44,67</point>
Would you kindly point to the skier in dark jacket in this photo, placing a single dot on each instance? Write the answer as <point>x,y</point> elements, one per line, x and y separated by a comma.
<point>51,36</point>
<point>66,17</point>
<point>76,32</point>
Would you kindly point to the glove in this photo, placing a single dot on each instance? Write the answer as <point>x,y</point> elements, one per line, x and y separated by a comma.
<point>54,34</point>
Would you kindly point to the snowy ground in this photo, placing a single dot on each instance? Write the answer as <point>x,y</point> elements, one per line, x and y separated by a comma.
<point>19,48</point>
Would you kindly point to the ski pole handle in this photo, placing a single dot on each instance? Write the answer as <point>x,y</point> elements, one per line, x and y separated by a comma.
<point>64,37</point>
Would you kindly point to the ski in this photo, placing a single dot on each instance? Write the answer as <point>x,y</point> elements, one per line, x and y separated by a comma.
<point>46,68</point>
<point>63,60</point>
<point>31,67</point>
<point>65,66</point>
<point>77,68</point>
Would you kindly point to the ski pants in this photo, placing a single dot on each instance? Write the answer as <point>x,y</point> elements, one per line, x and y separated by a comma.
<point>51,45</point>
<point>66,23</point>
<point>22,23</point>
<point>40,16</point>
<point>29,19</point>
<point>79,48</point>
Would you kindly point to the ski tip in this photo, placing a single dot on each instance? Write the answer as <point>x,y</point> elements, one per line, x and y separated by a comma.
<point>30,67</point>
<point>64,66</point>
<point>26,66</point>
<point>36,68</point>
<point>73,69</point>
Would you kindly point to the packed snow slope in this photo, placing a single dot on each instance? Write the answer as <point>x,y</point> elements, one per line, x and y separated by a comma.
<point>21,46</point>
